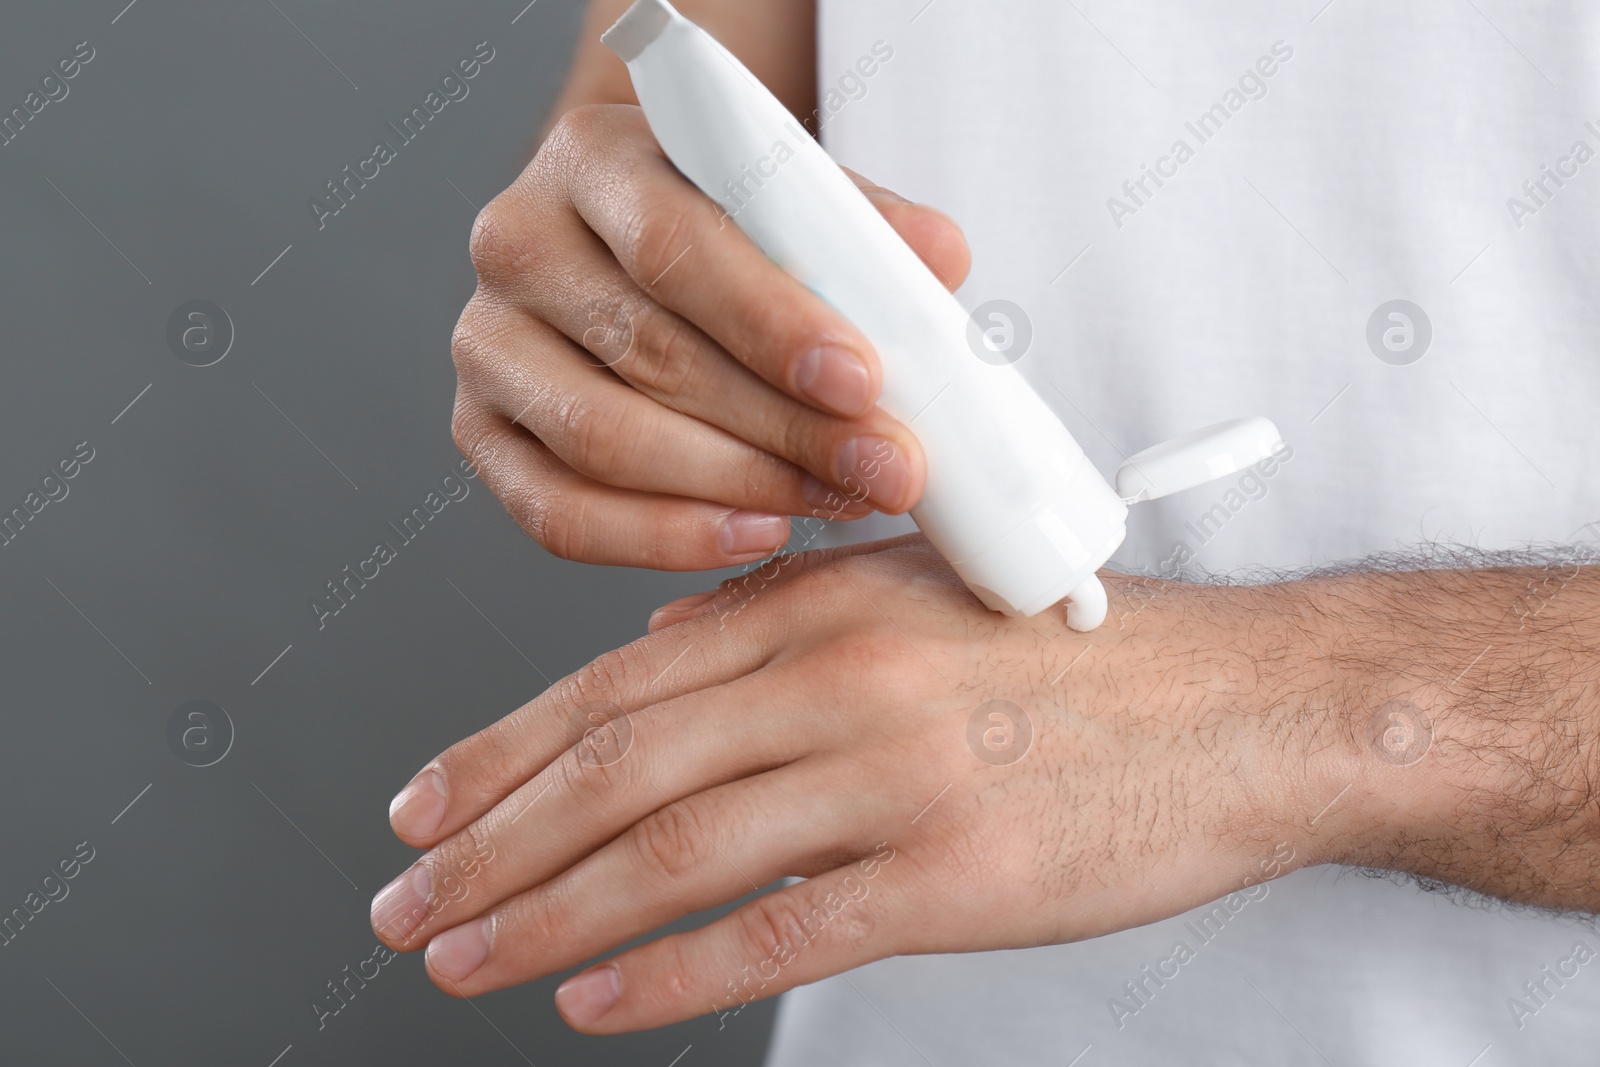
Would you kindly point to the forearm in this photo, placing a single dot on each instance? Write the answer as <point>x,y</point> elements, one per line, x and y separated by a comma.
<point>1460,740</point>
<point>776,39</point>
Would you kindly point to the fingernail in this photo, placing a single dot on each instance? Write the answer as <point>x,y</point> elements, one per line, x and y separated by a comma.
<point>458,952</point>
<point>834,378</point>
<point>830,502</point>
<point>748,532</point>
<point>679,609</point>
<point>400,906</point>
<point>583,998</point>
<point>873,465</point>
<point>418,809</point>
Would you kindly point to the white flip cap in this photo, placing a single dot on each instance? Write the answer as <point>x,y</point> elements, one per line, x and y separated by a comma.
<point>1196,458</point>
<point>638,26</point>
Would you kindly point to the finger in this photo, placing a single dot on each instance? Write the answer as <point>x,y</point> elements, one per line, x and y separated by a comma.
<point>678,247</point>
<point>586,796</point>
<point>932,235</point>
<point>695,853</point>
<point>582,291</point>
<point>605,162</point>
<point>605,430</point>
<point>576,283</point>
<point>778,570</point>
<point>680,610</point>
<point>806,932</point>
<point>578,518</point>
<point>474,775</point>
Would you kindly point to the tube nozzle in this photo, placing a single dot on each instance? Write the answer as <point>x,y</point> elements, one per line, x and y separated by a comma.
<point>1086,605</point>
<point>638,26</point>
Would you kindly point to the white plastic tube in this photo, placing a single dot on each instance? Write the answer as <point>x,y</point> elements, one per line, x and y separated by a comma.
<point>1011,500</point>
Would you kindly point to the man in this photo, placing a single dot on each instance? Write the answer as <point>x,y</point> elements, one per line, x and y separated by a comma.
<point>1372,223</point>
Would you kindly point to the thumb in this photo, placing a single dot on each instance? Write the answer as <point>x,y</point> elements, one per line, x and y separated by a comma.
<point>932,235</point>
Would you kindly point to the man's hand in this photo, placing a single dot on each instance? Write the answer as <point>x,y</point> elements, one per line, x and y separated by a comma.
<point>639,385</point>
<point>946,778</point>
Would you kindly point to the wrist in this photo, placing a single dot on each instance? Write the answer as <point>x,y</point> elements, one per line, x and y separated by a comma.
<point>1442,734</point>
<point>1292,686</point>
<point>1364,723</point>
<point>1246,673</point>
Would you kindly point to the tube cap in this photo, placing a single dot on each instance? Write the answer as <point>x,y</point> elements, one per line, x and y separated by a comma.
<point>1196,458</point>
<point>638,26</point>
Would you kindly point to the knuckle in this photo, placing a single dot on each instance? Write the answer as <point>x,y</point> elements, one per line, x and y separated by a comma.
<point>451,868</point>
<point>544,516</point>
<point>671,350</point>
<point>802,438</point>
<point>481,766</point>
<point>669,843</point>
<point>541,917</point>
<point>593,782</point>
<point>556,530</point>
<point>662,229</point>
<point>473,847</point>
<point>605,676</point>
<point>583,431</point>
<point>466,428</point>
<point>494,237</point>
<point>595,441</point>
<point>469,341</point>
<point>779,921</point>
<point>789,920</point>
<point>514,231</point>
<point>867,655</point>
<point>514,235</point>
<point>573,131</point>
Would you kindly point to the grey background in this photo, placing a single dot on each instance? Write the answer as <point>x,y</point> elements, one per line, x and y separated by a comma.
<point>184,556</point>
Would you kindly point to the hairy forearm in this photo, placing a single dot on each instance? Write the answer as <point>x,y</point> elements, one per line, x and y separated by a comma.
<point>1459,737</point>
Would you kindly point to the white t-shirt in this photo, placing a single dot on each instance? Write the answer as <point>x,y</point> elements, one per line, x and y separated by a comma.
<point>1309,168</point>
